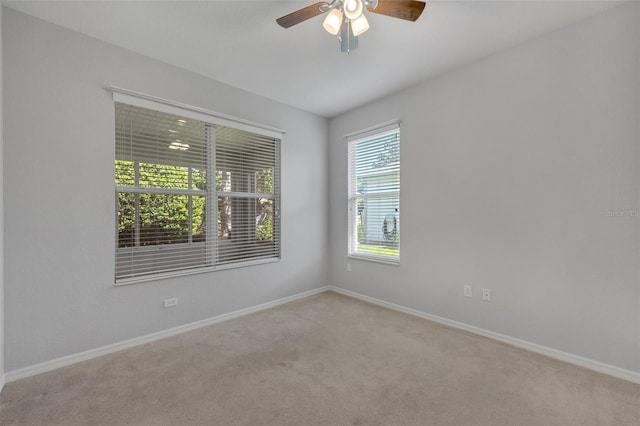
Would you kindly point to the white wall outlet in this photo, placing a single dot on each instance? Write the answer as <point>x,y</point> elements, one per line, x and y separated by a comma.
<point>348,267</point>
<point>486,294</point>
<point>168,303</point>
<point>467,291</point>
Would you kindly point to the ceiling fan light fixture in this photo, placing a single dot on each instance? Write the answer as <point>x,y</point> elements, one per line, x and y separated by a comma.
<point>333,22</point>
<point>359,25</point>
<point>352,9</point>
<point>347,20</point>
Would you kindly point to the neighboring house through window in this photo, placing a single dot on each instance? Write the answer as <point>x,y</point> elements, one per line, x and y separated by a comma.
<point>192,194</point>
<point>374,193</point>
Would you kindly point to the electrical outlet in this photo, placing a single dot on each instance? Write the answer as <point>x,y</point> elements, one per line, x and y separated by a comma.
<point>486,294</point>
<point>467,291</point>
<point>168,303</point>
<point>348,267</point>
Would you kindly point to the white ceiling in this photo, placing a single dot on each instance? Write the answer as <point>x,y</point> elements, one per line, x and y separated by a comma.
<point>239,43</point>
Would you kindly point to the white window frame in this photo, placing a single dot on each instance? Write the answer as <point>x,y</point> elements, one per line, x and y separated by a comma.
<point>170,107</point>
<point>383,129</point>
<point>136,189</point>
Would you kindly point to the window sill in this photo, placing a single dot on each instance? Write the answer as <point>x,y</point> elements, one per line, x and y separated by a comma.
<point>376,259</point>
<point>194,271</point>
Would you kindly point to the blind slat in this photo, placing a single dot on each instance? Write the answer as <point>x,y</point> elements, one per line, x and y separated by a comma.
<point>190,194</point>
<point>374,194</point>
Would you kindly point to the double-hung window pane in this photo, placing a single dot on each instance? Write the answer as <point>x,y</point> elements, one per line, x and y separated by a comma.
<point>191,194</point>
<point>247,188</point>
<point>374,195</point>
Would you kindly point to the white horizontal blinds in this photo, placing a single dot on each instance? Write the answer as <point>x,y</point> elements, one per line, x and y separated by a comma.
<point>161,192</point>
<point>247,192</point>
<point>374,194</point>
<point>191,194</point>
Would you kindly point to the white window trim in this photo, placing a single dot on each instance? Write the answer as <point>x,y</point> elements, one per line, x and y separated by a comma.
<point>176,108</point>
<point>387,126</point>
<point>381,129</point>
<point>194,271</point>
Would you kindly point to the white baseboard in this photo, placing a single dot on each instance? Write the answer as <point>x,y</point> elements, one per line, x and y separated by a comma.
<point>598,366</point>
<point>115,347</point>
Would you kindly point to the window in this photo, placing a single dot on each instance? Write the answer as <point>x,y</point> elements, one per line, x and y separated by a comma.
<point>374,194</point>
<point>192,195</point>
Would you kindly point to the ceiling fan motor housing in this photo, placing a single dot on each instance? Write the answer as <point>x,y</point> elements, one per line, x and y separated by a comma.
<point>338,4</point>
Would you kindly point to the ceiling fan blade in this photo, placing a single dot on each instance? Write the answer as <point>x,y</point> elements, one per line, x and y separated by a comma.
<point>301,15</point>
<point>409,10</point>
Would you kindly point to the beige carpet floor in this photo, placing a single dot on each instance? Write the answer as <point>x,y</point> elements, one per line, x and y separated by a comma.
<point>324,360</point>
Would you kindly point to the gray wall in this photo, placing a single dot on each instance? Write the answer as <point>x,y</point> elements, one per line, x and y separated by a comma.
<point>1,221</point>
<point>509,167</point>
<point>59,239</point>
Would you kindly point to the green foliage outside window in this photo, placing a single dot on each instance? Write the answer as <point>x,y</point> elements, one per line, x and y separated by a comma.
<point>264,206</point>
<point>164,218</point>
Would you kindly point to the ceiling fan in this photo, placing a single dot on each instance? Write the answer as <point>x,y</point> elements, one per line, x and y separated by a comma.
<point>347,16</point>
